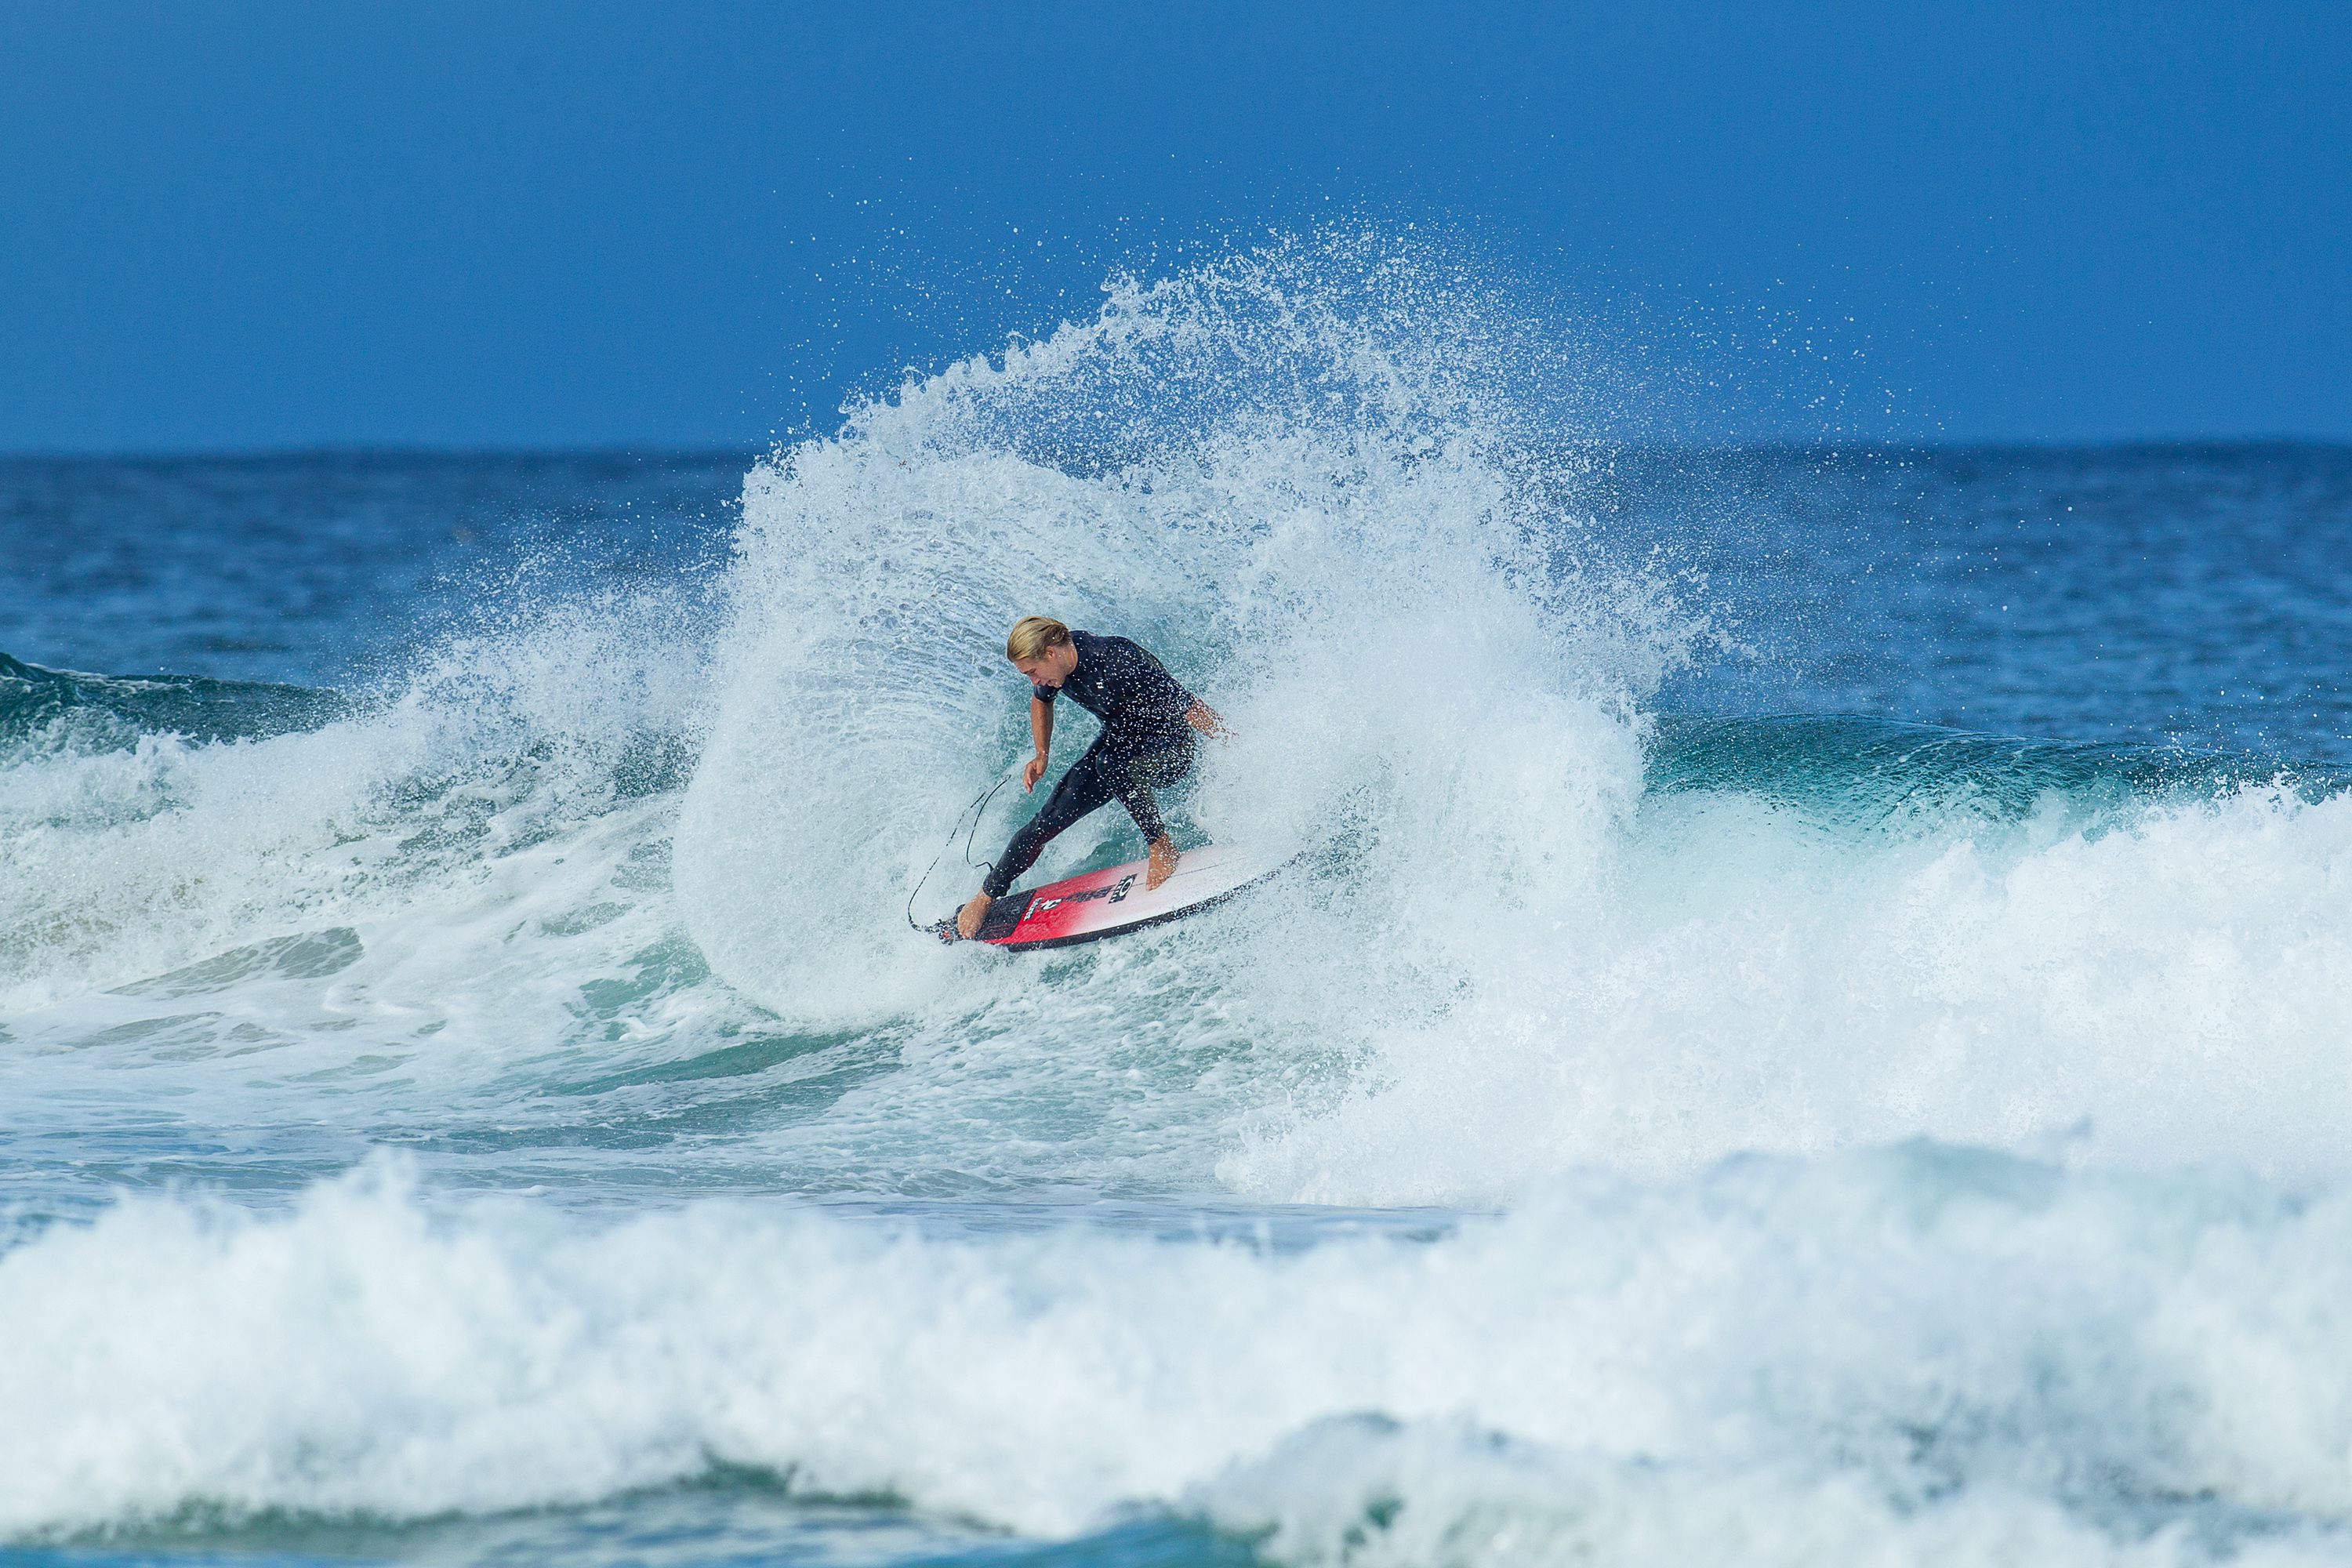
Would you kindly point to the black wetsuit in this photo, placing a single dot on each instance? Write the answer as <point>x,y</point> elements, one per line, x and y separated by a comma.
<point>1145,744</point>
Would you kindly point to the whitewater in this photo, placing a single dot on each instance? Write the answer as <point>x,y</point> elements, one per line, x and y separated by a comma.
<point>1810,1023</point>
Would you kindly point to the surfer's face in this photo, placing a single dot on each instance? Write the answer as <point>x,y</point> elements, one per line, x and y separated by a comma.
<point>1049,669</point>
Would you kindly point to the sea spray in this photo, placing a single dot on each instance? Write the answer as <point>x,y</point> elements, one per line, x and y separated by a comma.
<point>1322,509</point>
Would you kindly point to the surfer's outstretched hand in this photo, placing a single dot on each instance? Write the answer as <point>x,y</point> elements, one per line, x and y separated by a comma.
<point>1031,772</point>
<point>1162,864</point>
<point>968,918</point>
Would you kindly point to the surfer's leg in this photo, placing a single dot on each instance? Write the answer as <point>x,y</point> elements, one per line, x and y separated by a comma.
<point>1135,778</point>
<point>1084,788</point>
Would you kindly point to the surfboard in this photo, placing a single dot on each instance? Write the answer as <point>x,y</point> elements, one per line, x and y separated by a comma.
<point>1095,904</point>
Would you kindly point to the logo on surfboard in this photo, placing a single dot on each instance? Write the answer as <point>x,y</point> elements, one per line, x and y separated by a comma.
<point>1114,894</point>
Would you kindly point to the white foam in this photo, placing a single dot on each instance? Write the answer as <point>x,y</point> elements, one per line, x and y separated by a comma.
<point>1371,1493</point>
<point>2172,991</point>
<point>1921,1352</point>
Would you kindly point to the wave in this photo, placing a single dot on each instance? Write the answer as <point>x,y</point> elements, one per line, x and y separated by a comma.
<point>150,825</point>
<point>1921,1353</point>
<point>614,868</point>
<point>1544,926</point>
<point>1881,774</point>
<point>55,710</point>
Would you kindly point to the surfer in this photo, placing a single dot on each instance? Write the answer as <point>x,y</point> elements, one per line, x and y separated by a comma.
<point>1148,724</point>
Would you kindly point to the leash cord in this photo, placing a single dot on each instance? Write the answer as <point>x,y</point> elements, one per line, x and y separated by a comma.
<point>979,809</point>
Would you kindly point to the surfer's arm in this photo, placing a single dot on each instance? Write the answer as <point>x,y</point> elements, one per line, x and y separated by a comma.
<point>1041,731</point>
<point>1204,717</point>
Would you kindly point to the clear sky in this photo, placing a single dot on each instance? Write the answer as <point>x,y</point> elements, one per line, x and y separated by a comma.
<point>504,223</point>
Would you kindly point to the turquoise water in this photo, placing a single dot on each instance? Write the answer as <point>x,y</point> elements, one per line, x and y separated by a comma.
<point>1810,1027</point>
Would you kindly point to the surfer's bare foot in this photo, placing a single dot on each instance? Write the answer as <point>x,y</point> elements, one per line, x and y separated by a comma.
<point>968,918</point>
<point>1163,864</point>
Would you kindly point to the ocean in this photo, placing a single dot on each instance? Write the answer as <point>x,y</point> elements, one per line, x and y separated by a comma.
<point>1812,1023</point>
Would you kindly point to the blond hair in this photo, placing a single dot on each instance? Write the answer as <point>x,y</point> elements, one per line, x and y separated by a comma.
<point>1032,635</point>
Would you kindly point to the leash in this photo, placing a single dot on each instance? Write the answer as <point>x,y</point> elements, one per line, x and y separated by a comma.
<point>979,809</point>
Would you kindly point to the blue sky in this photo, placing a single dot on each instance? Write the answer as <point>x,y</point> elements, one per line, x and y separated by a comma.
<point>489,225</point>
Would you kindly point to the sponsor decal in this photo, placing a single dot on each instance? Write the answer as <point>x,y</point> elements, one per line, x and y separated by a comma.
<point>1114,893</point>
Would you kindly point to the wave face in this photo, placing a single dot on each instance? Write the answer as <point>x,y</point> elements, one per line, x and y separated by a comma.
<point>1704,1083</point>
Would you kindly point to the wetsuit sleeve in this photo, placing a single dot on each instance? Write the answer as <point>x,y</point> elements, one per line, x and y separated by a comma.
<point>1045,693</point>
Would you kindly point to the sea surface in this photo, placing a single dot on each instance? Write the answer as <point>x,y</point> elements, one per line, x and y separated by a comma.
<point>1814,1022</point>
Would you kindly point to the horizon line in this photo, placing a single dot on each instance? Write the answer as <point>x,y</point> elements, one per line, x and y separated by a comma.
<point>750,451</point>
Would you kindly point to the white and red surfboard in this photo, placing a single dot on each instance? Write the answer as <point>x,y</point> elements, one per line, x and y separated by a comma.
<point>1103,903</point>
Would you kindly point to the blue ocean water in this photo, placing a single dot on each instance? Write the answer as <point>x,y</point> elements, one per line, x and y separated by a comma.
<point>1811,1026</point>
